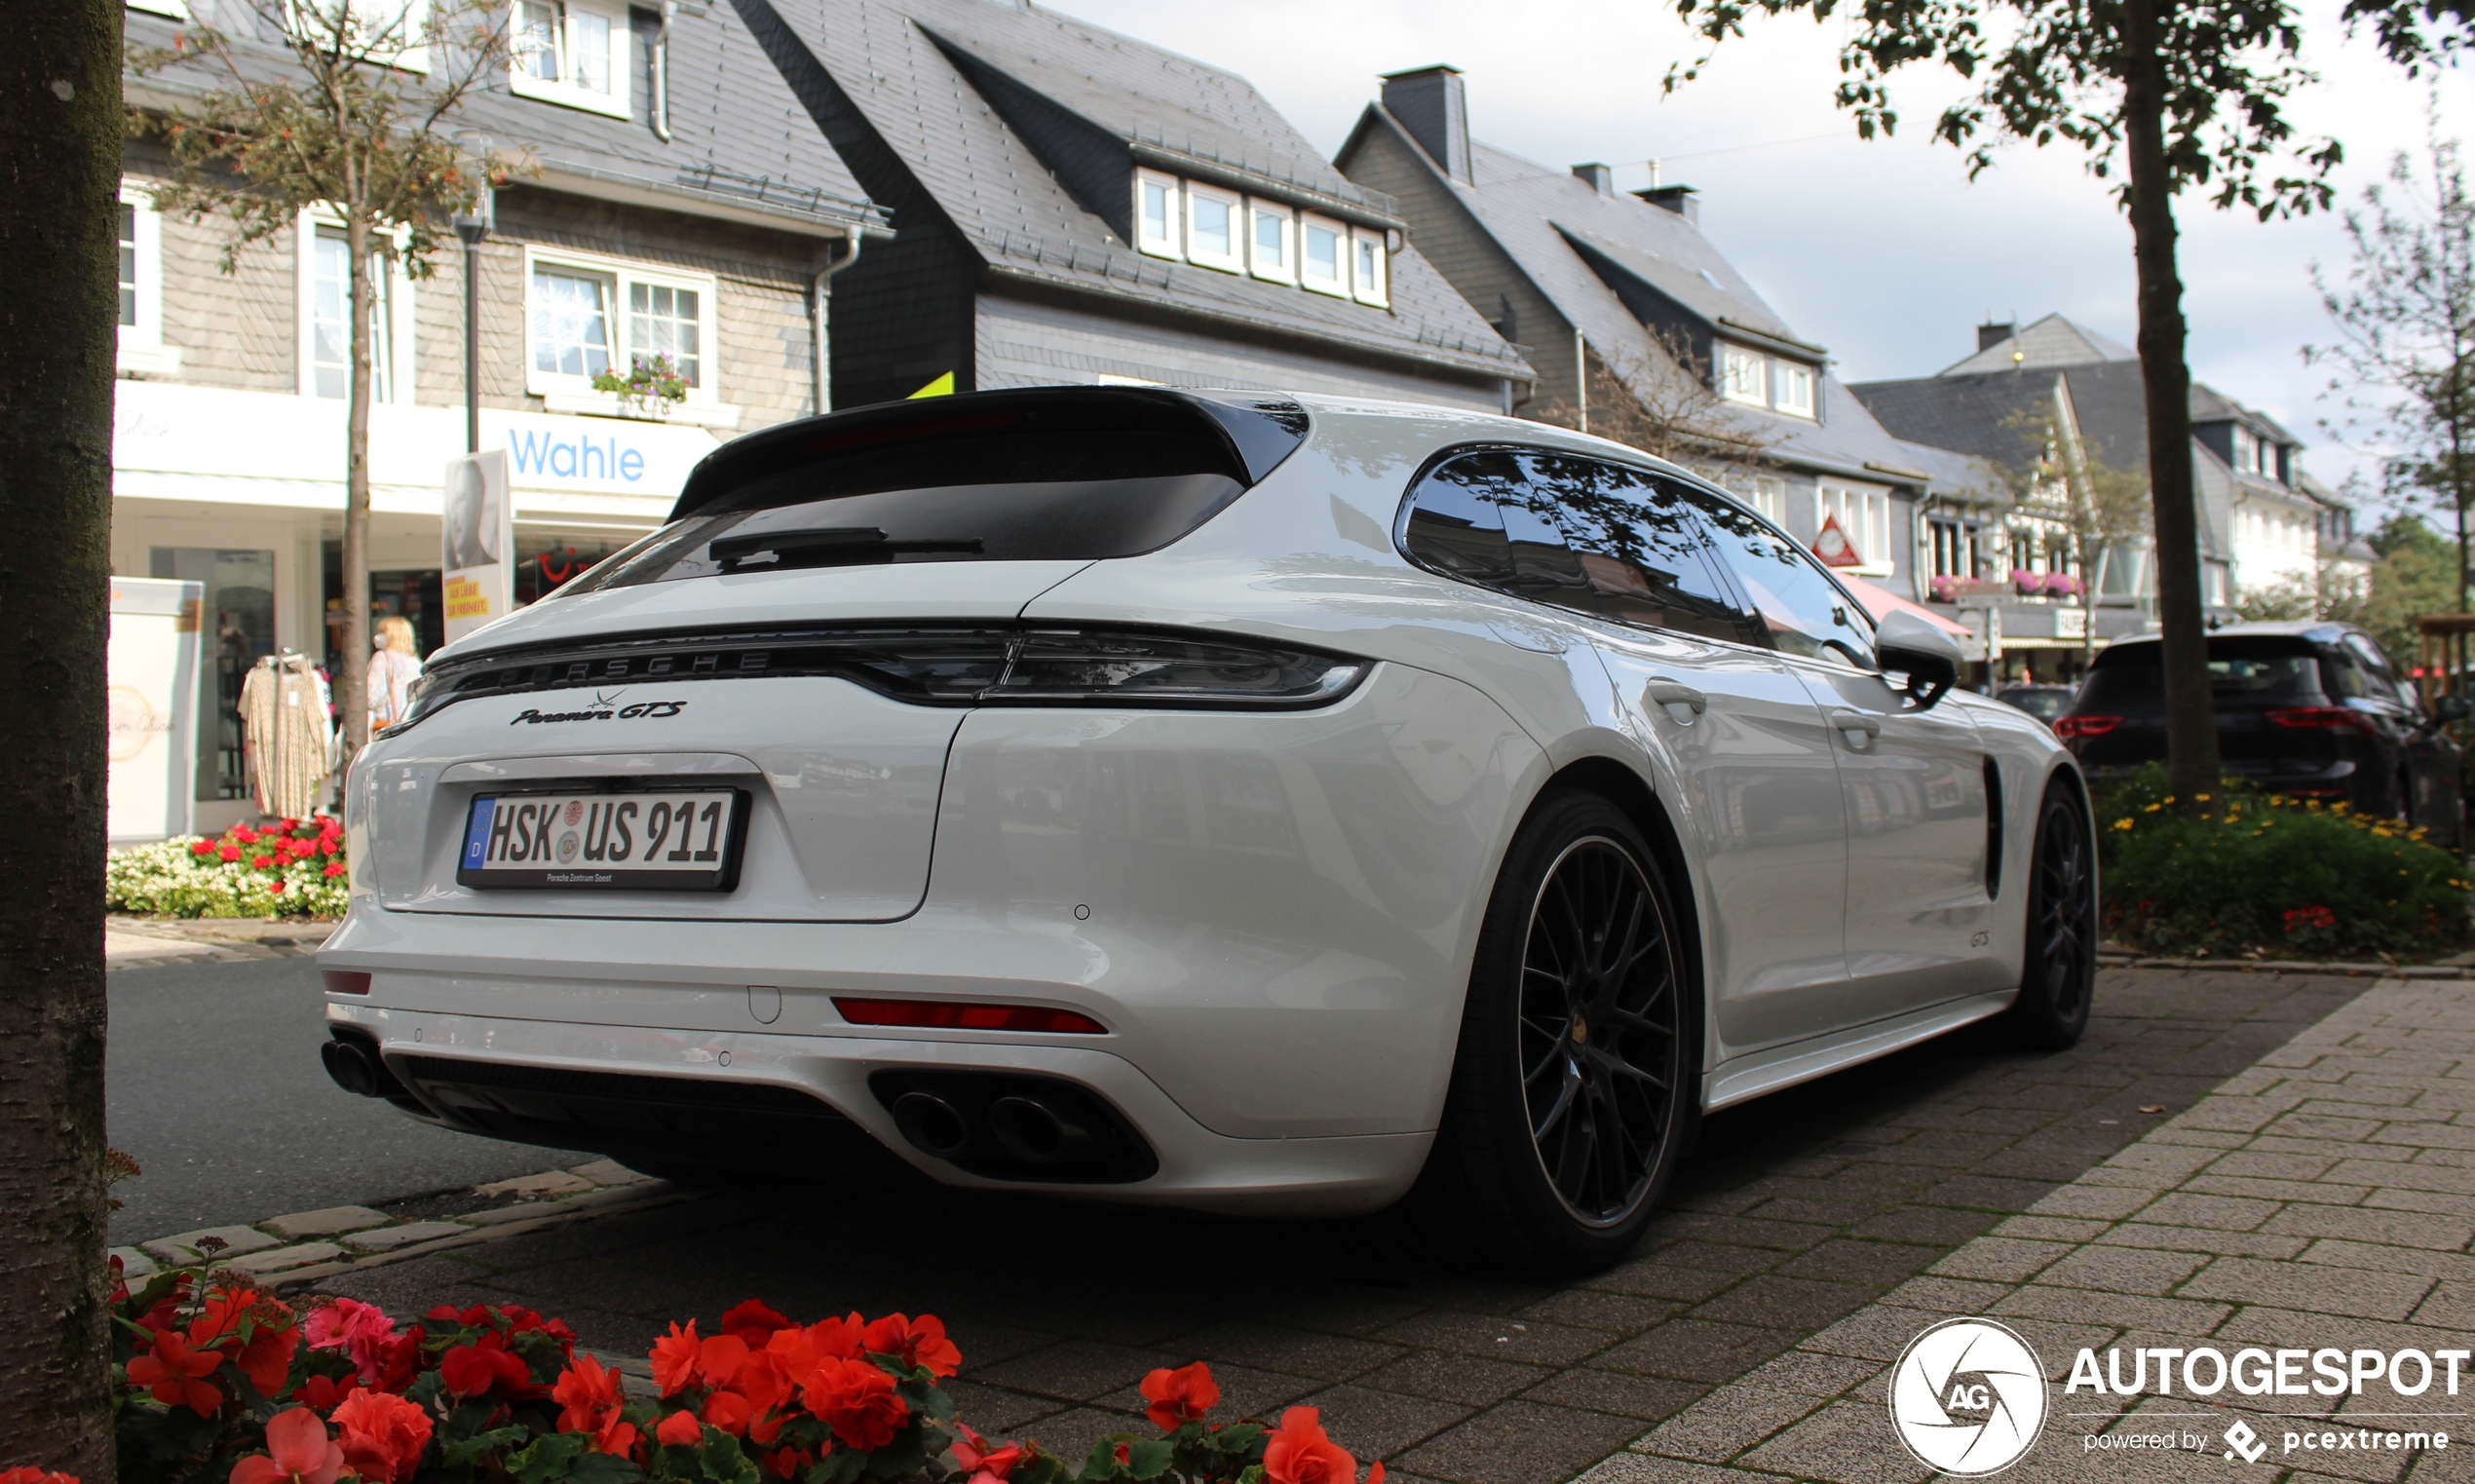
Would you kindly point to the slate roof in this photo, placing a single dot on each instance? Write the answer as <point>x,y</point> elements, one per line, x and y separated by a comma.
<point>739,139</point>
<point>1553,224</point>
<point>2052,341</point>
<point>903,64</point>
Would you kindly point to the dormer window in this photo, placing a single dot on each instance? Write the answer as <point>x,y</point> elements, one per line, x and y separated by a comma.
<point>1271,246</point>
<point>1366,266</point>
<point>1792,388</point>
<point>1212,228</point>
<point>572,52</point>
<point>1156,213</point>
<point>1323,256</point>
<point>1743,375</point>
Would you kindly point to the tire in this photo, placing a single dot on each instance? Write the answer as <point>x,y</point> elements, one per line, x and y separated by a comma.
<point>2057,977</point>
<point>1569,1105</point>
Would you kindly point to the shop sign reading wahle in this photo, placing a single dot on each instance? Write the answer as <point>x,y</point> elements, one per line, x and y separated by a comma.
<point>478,556</point>
<point>1834,548</point>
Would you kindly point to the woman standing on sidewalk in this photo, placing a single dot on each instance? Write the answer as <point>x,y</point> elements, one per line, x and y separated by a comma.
<point>393,668</point>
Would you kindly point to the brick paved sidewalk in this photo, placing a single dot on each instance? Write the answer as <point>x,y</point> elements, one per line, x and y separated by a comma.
<point>1799,1210</point>
<point>2324,1198</point>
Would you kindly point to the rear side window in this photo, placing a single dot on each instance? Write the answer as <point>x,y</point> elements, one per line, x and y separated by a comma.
<point>1051,475</point>
<point>2242,671</point>
<point>1580,533</point>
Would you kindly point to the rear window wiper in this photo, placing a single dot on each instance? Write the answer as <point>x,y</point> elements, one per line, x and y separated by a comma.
<point>846,546</point>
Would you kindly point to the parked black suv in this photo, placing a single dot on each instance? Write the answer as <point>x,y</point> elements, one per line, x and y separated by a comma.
<point>2311,709</point>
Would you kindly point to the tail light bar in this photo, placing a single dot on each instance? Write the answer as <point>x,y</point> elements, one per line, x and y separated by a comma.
<point>929,666</point>
<point>960,1015</point>
<point>2085,726</point>
<point>2338,717</point>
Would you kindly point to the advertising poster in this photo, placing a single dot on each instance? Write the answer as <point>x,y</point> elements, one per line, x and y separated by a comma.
<point>151,671</point>
<point>479,556</point>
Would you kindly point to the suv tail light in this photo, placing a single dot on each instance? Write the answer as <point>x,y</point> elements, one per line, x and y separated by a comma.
<point>2337,716</point>
<point>2085,726</point>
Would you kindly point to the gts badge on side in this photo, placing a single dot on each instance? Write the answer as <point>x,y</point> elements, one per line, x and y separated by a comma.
<point>604,708</point>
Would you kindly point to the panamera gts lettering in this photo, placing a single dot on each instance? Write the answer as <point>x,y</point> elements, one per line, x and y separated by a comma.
<point>645,710</point>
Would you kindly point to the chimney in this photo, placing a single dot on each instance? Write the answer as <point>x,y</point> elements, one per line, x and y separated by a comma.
<point>1428,102</point>
<point>1601,178</point>
<point>1674,198</point>
<point>1988,336</point>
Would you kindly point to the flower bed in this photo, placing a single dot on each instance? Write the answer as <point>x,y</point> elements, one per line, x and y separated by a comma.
<point>295,868</point>
<point>221,1383</point>
<point>2244,872</point>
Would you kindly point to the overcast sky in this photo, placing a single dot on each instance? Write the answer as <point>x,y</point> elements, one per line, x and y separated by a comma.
<point>1881,251</point>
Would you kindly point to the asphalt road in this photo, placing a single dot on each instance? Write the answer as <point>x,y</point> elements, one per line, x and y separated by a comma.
<point>214,1087</point>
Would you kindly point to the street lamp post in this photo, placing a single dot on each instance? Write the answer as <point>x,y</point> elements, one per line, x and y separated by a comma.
<point>474,230</point>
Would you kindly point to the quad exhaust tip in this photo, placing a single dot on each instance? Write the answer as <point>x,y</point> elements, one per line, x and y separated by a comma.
<point>353,1069</point>
<point>1011,1125</point>
<point>933,1124</point>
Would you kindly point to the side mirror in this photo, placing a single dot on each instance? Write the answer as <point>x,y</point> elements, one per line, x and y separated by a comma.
<point>1930,658</point>
<point>2448,708</point>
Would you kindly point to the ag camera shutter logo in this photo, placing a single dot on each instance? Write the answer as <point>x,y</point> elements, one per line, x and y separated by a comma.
<point>1968,1398</point>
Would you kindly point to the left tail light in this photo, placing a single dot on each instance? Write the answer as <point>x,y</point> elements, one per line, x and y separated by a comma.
<point>2085,726</point>
<point>2334,716</point>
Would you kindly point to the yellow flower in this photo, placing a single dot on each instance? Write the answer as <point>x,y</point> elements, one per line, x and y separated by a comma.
<point>2122,824</point>
<point>2202,797</point>
<point>2169,798</point>
<point>2154,808</point>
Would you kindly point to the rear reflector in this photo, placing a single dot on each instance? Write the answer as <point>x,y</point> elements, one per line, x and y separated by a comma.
<point>345,981</point>
<point>954,1016</point>
<point>2319,716</point>
<point>2085,726</point>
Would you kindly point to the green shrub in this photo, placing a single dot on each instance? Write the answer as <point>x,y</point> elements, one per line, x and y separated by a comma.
<point>2241,871</point>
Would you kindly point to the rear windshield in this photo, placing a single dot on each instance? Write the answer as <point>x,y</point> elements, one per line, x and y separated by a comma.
<point>1063,475</point>
<point>2241,672</point>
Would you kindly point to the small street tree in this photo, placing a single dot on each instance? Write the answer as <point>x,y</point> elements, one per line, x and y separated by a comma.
<point>2163,94</point>
<point>59,146</point>
<point>2102,508</point>
<point>1664,404</point>
<point>348,112</point>
<point>2404,352</point>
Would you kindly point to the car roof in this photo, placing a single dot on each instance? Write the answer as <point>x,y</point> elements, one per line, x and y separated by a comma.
<point>2317,631</point>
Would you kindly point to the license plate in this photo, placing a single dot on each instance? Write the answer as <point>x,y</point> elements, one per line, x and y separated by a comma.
<point>681,840</point>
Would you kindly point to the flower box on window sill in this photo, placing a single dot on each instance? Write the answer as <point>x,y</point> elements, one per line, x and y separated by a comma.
<point>604,405</point>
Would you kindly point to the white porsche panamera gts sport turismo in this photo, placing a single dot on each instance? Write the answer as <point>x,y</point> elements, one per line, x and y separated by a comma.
<point>1239,802</point>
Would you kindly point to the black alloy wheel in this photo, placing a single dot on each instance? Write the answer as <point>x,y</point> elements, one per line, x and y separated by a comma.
<point>1577,1081</point>
<point>2057,977</point>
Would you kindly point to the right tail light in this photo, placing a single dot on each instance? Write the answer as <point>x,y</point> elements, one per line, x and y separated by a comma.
<point>2085,726</point>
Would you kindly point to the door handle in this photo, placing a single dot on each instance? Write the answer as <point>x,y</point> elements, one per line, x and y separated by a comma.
<point>1856,721</point>
<point>1662,691</point>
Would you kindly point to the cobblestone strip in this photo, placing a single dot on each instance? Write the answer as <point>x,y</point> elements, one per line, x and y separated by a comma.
<point>306,1246</point>
<point>2324,1198</point>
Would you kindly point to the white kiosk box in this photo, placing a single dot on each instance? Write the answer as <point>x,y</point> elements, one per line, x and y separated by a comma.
<point>152,679</point>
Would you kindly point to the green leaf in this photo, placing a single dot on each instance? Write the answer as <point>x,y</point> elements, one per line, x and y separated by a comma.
<point>1149,1457</point>
<point>546,1459</point>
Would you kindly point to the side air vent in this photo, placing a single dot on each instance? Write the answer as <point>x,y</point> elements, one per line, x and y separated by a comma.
<point>1993,828</point>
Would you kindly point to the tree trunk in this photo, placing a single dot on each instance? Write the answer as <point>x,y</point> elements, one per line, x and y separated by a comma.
<point>351,682</point>
<point>61,136</point>
<point>2190,712</point>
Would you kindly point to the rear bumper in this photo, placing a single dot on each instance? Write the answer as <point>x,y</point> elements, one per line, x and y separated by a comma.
<point>740,1079</point>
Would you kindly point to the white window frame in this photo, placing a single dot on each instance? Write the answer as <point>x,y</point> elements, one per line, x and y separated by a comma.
<point>563,392</point>
<point>1337,286</point>
<point>1235,259</point>
<point>398,369</point>
<point>1169,241</point>
<point>141,345</point>
<point>1370,267</point>
<point>1753,385</point>
<point>1767,495</point>
<point>1864,512</point>
<point>1284,271</point>
<point>413,16</point>
<point>1785,374</point>
<point>172,7</point>
<point>621,62</point>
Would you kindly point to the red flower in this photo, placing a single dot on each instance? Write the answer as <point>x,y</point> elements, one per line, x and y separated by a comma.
<point>321,1393</point>
<point>1179,1396</point>
<point>174,1374</point>
<point>336,868</point>
<point>1299,1453</point>
<point>476,1370</point>
<point>754,1323</point>
<point>679,1429</point>
<point>985,1464</point>
<point>267,1358</point>
<point>36,1477</point>
<point>368,1338</point>
<point>262,862</point>
<point>276,887</point>
<point>244,834</point>
<point>730,1412</point>
<point>856,1399</point>
<point>788,1463</point>
<point>290,825</point>
<point>229,852</point>
<point>915,1341</point>
<point>383,1435</point>
<point>589,1397</point>
<point>298,1451</point>
<point>196,848</point>
<point>719,1359</point>
<point>674,1360</point>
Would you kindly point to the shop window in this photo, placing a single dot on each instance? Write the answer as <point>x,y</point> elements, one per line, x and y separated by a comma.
<point>142,286</point>
<point>571,52</point>
<point>239,602</point>
<point>546,563</point>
